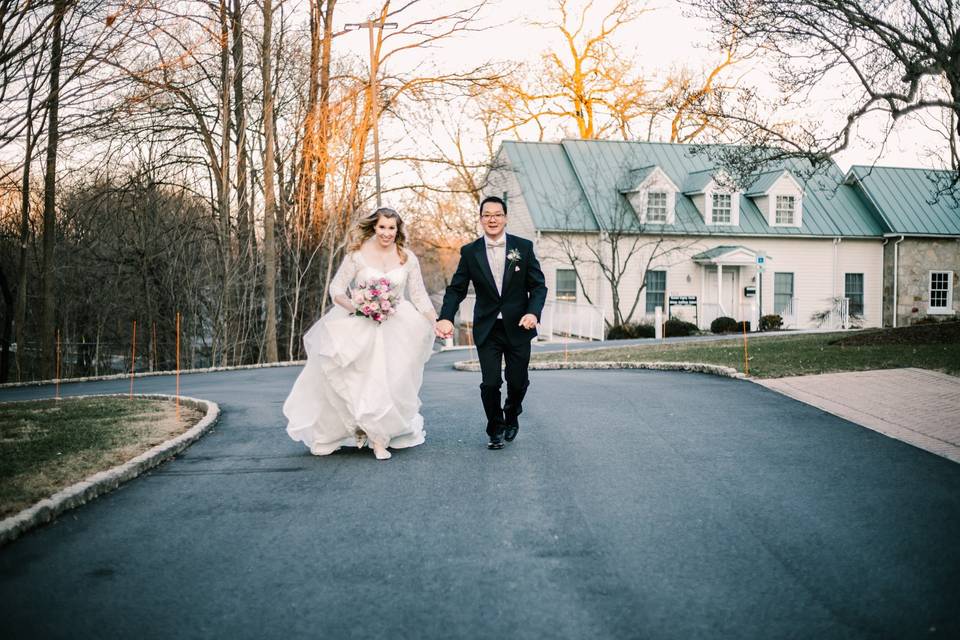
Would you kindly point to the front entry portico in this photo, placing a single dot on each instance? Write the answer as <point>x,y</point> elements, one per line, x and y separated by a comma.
<point>725,271</point>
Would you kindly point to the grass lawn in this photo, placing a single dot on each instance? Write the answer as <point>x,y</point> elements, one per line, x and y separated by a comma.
<point>48,445</point>
<point>924,346</point>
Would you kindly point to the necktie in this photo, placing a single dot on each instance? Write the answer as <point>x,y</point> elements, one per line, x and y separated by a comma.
<point>495,258</point>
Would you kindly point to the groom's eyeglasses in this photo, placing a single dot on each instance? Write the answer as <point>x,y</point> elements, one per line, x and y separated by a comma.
<point>491,216</point>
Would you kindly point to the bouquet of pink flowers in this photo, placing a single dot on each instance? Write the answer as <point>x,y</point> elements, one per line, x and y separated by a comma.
<point>375,298</point>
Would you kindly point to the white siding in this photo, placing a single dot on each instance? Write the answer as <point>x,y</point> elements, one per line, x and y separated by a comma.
<point>816,278</point>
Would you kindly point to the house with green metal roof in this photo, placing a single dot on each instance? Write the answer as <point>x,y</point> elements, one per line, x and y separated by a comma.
<point>627,227</point>
<point>921,247</point>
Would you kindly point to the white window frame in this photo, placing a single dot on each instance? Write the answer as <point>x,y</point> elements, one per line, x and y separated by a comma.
<point>734,207</point>
<point>777,209</point>
<point>656,182</point>
<point>786,185</point>
<point>948,309</point>
<point>646,289</point>
<point>666,206</point>
<point>556,283</point>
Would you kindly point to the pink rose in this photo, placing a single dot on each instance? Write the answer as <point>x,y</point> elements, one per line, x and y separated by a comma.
<point>367,295</point>
<point>385,305</point>
<point>384,282</point>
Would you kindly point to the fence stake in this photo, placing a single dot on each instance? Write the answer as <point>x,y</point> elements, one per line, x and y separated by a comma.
<point>133,357</point>
<point>57,376</point>
<point>178,366</point>
<point>746,359</point>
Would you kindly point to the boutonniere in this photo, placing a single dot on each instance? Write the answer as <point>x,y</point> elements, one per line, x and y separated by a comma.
<point>514,257</point>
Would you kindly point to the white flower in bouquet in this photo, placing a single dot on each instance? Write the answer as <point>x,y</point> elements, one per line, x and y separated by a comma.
<point>375,298</point>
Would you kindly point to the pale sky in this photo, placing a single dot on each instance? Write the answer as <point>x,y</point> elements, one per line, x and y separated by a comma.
<point>660,39</point>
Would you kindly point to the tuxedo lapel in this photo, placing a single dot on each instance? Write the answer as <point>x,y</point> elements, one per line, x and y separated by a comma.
<point>480,252</point>
<point>507,268</point>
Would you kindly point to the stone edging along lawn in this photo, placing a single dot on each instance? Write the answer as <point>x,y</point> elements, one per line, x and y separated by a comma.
<point>148,374</point>
<point>698,367</point>
<point>105,481</point>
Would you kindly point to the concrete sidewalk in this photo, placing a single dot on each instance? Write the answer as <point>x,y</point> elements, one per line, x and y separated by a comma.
<point>916,406</point>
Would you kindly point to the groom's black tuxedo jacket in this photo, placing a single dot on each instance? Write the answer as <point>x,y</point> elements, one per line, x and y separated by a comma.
<point>523,291</point>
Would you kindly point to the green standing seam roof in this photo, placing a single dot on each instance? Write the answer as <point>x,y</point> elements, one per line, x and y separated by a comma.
<point>568,185</point>
<point>906,199</point>
<point>763,183</point>
<point>720,250</point>
<point>635,178</point>
<point>697,181</point>
<point>553,195</point>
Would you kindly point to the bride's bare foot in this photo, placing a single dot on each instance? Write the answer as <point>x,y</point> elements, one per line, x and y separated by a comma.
<point>381,452</point>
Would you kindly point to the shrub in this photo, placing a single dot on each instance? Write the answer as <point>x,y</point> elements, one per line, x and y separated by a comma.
<point>724,324</point>
<point>676,327</point>
<point>644,331</point>
<point>772,322</point>
<point>620,332</point>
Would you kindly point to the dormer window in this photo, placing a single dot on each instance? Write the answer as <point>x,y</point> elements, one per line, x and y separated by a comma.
<point>651,193</point>
<point>779,197</point>
<point>786,209</point>
<point>716,203</point>
<point>721,208</point>
<point>657,206</point>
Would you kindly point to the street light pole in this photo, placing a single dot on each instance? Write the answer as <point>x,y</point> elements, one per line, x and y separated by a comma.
<point>370,25</point>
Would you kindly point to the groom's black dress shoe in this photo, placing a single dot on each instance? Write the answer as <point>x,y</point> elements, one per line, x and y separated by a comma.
<point>496,441</point>
<point>511,430</point>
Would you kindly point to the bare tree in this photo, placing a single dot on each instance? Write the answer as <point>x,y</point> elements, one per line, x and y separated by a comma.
<point>624,249</point>
<point>891,57</point>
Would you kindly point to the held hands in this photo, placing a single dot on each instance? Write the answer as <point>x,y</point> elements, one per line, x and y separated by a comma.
<point>443,329</point>
<point>529,321</point>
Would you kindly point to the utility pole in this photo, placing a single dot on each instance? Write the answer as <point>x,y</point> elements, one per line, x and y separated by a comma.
<point>370,25</point>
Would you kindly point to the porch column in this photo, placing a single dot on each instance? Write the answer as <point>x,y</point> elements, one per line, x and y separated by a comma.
<point>720,289</point>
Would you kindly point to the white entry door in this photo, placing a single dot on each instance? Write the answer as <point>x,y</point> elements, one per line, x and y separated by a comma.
<point>728,298</point>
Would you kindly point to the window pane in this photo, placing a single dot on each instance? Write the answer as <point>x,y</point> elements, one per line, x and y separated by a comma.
<point>656,287</point>
<point>782,293</point>
<point>657,207</point>
<point>566,284</point>
<point>853,290</point>
<point>785,209</point>
<point>721,207</point>
<point>939,289</point>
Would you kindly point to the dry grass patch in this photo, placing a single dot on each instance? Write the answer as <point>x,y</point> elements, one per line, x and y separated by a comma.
<point>48,445</point>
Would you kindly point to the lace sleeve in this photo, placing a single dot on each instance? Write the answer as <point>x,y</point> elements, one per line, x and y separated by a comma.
<point>344,276</point>
<point>416,290</point>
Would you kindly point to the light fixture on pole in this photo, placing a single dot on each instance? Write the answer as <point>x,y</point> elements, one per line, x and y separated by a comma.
<point>370,25</point>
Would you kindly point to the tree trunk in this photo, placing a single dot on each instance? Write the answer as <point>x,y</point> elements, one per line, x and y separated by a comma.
<point>244,230</point>
<point>224,190</point>
<point>6,332</point>
<point>48,319</point>
<point>269,198</point>
<point>20,314</point>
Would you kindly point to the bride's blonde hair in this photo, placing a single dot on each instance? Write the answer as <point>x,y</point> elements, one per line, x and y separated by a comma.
<point>367,227</point>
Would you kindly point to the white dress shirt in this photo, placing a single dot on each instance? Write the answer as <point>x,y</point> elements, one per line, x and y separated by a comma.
<point>496,258</point>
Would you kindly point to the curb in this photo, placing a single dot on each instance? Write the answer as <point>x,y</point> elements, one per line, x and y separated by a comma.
<point>694,367</point>
<point>148,374</point>
<point>103,482</point>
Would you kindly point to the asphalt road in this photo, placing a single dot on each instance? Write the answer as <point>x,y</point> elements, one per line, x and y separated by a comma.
<point>633,504</point>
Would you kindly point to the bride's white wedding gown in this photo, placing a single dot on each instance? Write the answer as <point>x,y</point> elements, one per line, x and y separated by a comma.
<point>362,377</point>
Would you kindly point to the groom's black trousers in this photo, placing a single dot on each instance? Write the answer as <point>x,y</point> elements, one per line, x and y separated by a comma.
<point>492,353</point>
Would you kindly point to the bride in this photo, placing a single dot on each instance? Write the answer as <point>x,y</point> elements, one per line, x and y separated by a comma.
<point>361,382</point>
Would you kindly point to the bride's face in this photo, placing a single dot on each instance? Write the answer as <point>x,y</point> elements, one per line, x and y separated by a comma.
<point>385,232</point>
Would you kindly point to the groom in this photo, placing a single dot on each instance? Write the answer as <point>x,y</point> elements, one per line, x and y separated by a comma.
<point>510,293</point>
